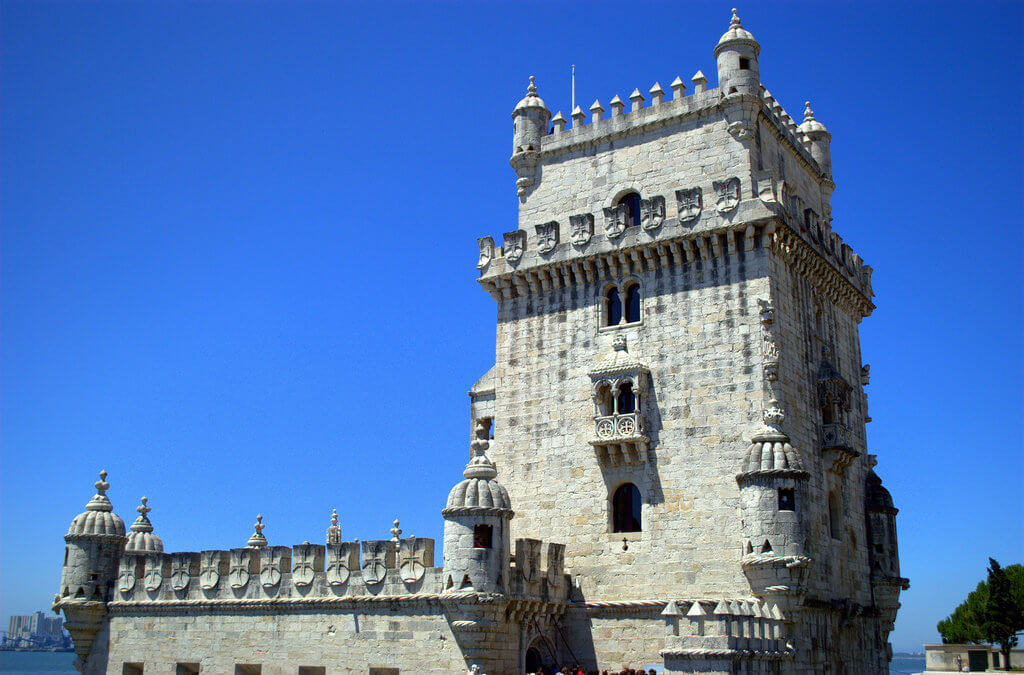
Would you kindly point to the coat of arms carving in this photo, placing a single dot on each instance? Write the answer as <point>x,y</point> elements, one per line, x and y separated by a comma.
<point>377,557</point>
<point>652,213</point>
<point>415,555</point>
<point>547,236</point>
<point>515,245</point>
<point>154,572</point>
<point>581,228</point>
<point>528,558</point>
<point>341,558</point>
<point>727,194</point>
<point>690,203</point>
<point>209,570</point>
<point>615,220</point>
<point>238,574</point>
<point>304,569</point>
<point>486,252</point>
<point>126,574</point>
<point>180,571</point>
<point>272,563</point>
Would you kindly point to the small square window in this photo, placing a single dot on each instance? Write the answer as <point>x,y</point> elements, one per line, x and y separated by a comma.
<point>186,669</point>
<point>744,63</point>
<point>312,670</point>
<point>248,669</point>
<point>131,669</point>
<point>787,499</point>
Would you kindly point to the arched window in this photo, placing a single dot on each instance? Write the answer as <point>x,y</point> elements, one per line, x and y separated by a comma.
<point>834,515</point>
<point>605,402</point>
<point>826,414</point>
<point>482,536</point>
<point>632,202</point>
<point>612,307</point>
<point>627,399</point>
<point>631,305</point>
<point>626,509</point>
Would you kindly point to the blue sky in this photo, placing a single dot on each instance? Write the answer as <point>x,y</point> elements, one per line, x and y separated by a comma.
<point>239,246</point>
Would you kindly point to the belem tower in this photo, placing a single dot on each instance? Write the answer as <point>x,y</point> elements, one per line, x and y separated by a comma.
<point>668,458</point>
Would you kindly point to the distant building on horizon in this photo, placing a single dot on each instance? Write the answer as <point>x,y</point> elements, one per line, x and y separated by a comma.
<point>36,630</point>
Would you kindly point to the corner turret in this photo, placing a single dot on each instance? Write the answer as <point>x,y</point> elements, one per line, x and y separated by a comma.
<point>94,543</point>
<point>736,54</point>
<point>530,124</point>
<point>476,529</point>
<point>818,140</point>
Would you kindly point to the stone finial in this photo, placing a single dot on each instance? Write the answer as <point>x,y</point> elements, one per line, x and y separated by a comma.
<point>334,531</point>
<point>257,540</point>
<point>637,100</point>
<point>696,610</point>
<point>808,113</point>
<point>733,23</point>
<point>532,89</point>
<point>100,501</point>
<point>596,111</point>
<point>671,609</point>
<point>142,523</point>
<point>657,94</point>
<point>395,531</point>
<point>700,83</point>
<point>559,121</point>
<point>578,117</point>
<point>617,106</point>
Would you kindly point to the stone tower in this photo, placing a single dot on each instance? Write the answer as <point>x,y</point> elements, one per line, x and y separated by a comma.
<point>677,391</point>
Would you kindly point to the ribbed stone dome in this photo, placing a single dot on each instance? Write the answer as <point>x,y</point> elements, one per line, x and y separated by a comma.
<point>98,518</point>
<point>770,451</point>
<point>479,489</point>
<point>140,536</point>
<point>810,125</point>
<point>878,498</point>
<point>737,34</point>
<point>531,100</point>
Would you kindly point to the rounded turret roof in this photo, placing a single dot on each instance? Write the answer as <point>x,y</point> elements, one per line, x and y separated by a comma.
<point>479,489</point>
<point>877,497</point>
<point>771,453</point>
<point>531,100</point>
<point>811,125</point>
<point>736,35</point>
<point>98,518</point>
<point>140,535</point>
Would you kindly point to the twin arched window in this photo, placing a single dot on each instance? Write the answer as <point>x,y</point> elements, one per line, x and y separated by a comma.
<point>626,509</point>
<point>622,307</point>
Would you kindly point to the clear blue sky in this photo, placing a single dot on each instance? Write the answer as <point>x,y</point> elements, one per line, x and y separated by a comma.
<point>239,246</point>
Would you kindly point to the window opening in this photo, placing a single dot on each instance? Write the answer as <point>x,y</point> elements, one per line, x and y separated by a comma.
<point>482,536</point>
<point>67,550</point>
<point>186,669</point>
<point>744,63</point>
<point>632,303</point>
<point>626,509</point>
<point>632,202</point>
<point>312,670</point>
<point>787,499</point>
<point>131,669</point>
<point>833,516</point>
<point>612,307</point>
<point>605,404</point>
<point>248,669</point>
<point>627,400</point>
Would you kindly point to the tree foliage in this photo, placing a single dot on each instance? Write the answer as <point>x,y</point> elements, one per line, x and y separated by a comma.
<point>993,612</point>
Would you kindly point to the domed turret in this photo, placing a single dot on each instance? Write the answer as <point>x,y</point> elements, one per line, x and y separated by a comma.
<point>530,123</point>
<point>736,54</point>
<point>818,138</point>
<point>140,537</point>
<point>94,543</point>
<point>476,529</point>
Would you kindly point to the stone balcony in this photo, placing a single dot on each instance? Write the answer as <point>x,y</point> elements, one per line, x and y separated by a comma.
<point>620,439</point>
<point>837,447</point>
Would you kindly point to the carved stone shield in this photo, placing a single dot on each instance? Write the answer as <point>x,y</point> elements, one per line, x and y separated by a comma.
<point>209,570</point>
<point>727,194</point>
<point>180,573</point>
<point>581,228</point>
<point>340,560</point>
<point>547,236</point>
<point>154,572</point>
<point>486,252</point>
<point>528,558</point>
<point>414,555</point>
<point>126,574</point>
<point>337,571</point>
<point>615,221</point>
<point>515,245</point>
<point>652,213</point>
<point>690,203</point>
<point>375,554</point>
<point>238,575</point>
<point>303,571</point>
<point>270,570</point>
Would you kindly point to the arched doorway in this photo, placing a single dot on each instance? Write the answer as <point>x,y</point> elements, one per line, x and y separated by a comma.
<point>539,655</point>
<point>533,660</point>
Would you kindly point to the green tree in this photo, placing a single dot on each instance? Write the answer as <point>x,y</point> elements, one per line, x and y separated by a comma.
<point>993,612</point>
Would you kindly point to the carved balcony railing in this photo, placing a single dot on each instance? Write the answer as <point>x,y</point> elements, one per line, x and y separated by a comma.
<point>837,447</point>
<point>620,439</point>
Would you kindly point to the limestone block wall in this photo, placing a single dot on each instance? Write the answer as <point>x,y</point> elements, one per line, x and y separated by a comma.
<point>699,338</point>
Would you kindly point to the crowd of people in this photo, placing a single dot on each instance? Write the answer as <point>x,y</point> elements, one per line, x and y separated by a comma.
<point>578,670</point>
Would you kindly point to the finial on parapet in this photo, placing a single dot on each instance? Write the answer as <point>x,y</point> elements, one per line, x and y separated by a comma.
<point>735,21</point>
<point>596,111</point>
<point>532,89</point>
<point>395,531</point>
<point>578,116</point>
<point>636,100</point>
<point>142,523</point>
<point>808,113</point>
<point>559,121</point>
<point>700,83</point>
<point>334,531</point>
<point>617,106</point>
<point>678,88</point>
<point>257,540</point>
